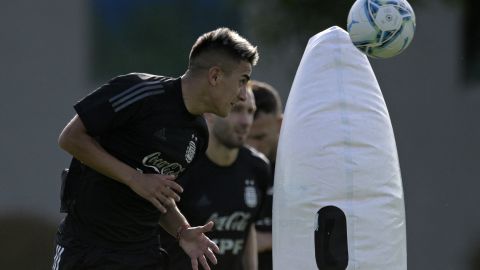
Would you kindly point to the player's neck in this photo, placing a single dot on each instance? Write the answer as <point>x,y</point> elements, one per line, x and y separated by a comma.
<point>192,93</point>
<point>221,155</point>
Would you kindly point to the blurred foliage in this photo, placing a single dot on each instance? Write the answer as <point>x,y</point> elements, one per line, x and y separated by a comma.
<point>155,36</point>
<point>152,36</point>
<point>28,242</point>
<point>275,20</point>
<point>279,21</point>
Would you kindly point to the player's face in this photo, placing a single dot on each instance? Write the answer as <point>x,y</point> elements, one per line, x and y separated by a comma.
<point>264,132</point>
<point>232,130</point>
<point>233,87</point>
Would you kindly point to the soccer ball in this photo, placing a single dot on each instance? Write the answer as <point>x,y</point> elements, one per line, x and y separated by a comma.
<point>381,28</point>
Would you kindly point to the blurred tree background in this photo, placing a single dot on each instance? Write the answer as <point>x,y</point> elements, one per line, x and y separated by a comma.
<point>27,242</point>
<point>152,36</point>
<point>155,36</point>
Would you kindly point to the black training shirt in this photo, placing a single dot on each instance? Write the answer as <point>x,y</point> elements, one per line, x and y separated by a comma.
<point>141,119</point>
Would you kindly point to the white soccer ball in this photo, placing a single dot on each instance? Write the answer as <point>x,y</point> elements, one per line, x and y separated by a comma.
<point>381,28</point>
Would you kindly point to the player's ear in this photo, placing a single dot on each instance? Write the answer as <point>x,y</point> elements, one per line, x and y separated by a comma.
<point>214,75</point>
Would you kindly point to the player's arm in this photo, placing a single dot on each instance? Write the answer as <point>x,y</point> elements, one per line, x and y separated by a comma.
<point>191,239</point>
<point>156,188</point>
<point>264,220</point>
<point>250,259</point>
<point>264,241</point>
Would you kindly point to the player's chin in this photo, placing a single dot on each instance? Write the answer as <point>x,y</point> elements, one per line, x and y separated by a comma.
<point>223,113</point>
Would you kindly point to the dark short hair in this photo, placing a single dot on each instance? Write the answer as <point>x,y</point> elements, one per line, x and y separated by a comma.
<point>267,98</point>
<point>224,41</point>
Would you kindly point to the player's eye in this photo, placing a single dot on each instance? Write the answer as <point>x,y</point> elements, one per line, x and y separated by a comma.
<point>236,108</point>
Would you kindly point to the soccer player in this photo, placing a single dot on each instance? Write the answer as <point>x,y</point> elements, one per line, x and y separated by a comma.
<point>130,139</point>
<point>226,186</point>
<point>264,137</point>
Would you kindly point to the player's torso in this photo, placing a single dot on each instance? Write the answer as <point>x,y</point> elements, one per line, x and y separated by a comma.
<point>231,197</point>
<point>164,140</point>
<point>160,136</point>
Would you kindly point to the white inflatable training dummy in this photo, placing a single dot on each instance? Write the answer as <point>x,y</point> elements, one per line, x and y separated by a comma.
<point>338,198</point>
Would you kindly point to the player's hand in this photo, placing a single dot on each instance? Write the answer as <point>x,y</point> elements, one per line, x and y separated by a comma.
<point>198,246</point>
<point>160,190</point>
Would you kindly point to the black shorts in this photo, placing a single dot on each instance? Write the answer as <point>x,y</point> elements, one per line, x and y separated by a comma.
<point>80,256</point>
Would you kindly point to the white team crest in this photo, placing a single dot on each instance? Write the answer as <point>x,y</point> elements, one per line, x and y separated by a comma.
<point>191,149</point>
<point>250,194</point>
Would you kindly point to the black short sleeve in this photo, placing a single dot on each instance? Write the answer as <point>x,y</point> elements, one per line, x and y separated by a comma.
<point>115,104</point>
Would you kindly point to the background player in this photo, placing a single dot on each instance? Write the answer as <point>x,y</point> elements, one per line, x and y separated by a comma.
<point>226,186</point>
<point>264,137</point>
